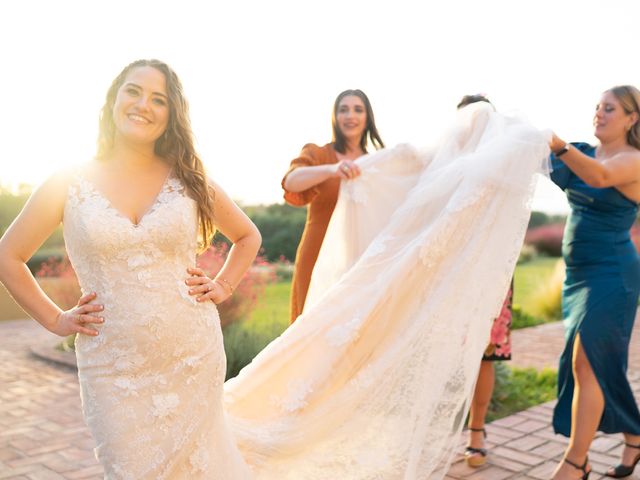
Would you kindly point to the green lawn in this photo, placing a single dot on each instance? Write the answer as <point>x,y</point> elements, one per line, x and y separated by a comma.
<point>537,292</point>
<point>243,340</point>
<point>529,277</point>
<point>273,306</point>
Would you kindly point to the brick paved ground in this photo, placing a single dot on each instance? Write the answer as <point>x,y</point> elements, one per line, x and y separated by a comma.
<point>42,435</point>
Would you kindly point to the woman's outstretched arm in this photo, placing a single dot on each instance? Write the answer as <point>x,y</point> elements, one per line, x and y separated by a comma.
<point>618,170</point>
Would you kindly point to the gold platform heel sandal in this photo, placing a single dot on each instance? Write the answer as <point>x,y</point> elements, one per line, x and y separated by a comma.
<point>476,457</point>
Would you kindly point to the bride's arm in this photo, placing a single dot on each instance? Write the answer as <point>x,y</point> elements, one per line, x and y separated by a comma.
<point>240,230</point>
<point>35,223</point>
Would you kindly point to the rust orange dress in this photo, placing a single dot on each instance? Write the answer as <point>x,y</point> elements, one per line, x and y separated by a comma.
<point>321,200</point>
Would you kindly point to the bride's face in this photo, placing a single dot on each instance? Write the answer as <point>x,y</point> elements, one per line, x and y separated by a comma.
<point>141,109</point>
<point>352,117</point>
<point>610,120</point>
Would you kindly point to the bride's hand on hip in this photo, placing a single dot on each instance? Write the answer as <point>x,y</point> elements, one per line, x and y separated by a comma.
<point>78,318</point>
<point>205,288</point>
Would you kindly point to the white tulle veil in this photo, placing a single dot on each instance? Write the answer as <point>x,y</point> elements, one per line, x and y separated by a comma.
<point>374,379</point>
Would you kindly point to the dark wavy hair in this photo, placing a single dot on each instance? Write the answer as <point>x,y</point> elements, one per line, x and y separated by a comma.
<point>370,131</point>
<point>469,99</point>
<point>629,98</point>
<point>175,145</point>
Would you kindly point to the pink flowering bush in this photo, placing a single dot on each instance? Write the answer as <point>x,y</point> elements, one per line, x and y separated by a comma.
<point>245,296</point>
<point>547,239</point>
<point>58,279</point>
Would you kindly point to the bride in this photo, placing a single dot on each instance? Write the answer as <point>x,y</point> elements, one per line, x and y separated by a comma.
<point>372,382</point>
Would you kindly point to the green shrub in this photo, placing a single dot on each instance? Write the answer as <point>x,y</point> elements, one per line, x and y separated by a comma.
<point>281,227</point>
<point>546,300</point>
<point>46,256</point>
<point>284,270</point>
<point>538,219</point>
<point>527,253</point>
<point>521,319</point>
<point>244,340</point>
<point>520,388</point>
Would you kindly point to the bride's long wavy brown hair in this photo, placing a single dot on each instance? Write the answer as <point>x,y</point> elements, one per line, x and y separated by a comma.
<point>175,145</point>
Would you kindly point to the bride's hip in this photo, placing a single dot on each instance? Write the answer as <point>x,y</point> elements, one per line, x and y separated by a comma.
<point>184,329</point>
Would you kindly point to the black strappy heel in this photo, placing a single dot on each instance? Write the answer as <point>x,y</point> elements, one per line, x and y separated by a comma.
<point>476,457</point>
<point>582,468</point>
<point>620,471</point>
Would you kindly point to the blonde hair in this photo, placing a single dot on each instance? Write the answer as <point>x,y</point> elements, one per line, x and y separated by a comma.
<point>175,145</point>
<point>629,98</point>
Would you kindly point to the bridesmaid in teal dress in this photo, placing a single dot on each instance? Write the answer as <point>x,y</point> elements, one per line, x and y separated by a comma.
<point>600,294</point>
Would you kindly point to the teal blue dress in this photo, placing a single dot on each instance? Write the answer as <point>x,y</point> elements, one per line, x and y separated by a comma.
<point>599,297</point>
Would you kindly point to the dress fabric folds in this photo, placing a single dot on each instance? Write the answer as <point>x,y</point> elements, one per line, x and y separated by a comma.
<point>372,381</point>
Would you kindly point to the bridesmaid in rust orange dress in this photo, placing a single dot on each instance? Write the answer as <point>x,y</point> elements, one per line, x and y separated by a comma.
<point>314,177</point>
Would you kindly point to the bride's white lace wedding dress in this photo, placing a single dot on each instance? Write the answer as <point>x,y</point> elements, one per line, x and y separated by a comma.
<point>372,382</point>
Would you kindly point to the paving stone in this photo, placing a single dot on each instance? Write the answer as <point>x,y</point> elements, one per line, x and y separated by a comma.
<point>518,456</point>
<point>604,444</point>
<point>508,433</point>
<point>491,473</point>
<point>45,474</point>
<point>544,471</point>
<point>550,449</point>
<point>527,443</point>
<point>84,473</point>
<point>510,421</point>
<point>550,435</point>
<point>506,463</point>
<point>530,426</point>
<point>540,416</point>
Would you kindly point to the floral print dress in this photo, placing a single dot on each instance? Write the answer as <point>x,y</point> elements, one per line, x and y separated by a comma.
<point>499,347</point>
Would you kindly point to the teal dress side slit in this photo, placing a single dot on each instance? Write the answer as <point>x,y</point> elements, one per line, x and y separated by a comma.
<point>599,297</point>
